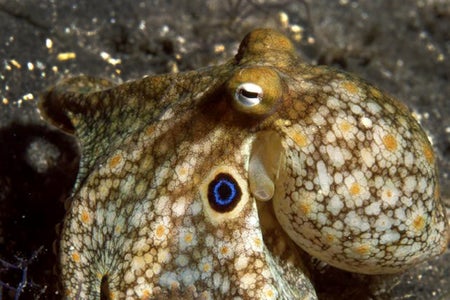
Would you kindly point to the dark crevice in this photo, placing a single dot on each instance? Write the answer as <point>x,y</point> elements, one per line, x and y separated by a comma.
<point>105,291</point>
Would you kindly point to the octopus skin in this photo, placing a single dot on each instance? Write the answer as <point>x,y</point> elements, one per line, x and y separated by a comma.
<point>209,184</point>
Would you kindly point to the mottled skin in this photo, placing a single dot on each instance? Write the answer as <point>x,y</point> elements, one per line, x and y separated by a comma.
<point>205,184</point>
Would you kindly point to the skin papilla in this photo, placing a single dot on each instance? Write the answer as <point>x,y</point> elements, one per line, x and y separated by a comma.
<point>206,184</point>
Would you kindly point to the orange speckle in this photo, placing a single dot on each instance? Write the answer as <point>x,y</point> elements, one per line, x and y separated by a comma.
<point>355,189</point>
<point>305,208</point>
<point>345,126</point>
<point>300,106</point>
<point>428,153</point>
<point>437,192</point>
<point>390,142</point>
<point>149,130</point>
<point>115,161</point>
<point>300,139</point>
<point>362,249</point>
<point>76,257</point>
<point>224,250</point>
<point>350,87</point>
<point>270,293</point>
<point>145,295</point>
<point>75,121</point>
<point>85,217</point>
<point>188,238</point>
<point>375,93</point>
<point>206,267</point>
<point>258,242</point>
<point>389,193</point>
<point>329,238</point>
<point>160,230</point>
<point>418,223</point>
<point>196,179</point>
<point>183,171</point>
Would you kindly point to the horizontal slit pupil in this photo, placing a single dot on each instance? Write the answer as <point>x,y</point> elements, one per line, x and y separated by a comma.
<point>249,94</point>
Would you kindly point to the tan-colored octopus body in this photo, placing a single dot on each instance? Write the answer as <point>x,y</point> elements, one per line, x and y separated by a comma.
<point>204,184</point>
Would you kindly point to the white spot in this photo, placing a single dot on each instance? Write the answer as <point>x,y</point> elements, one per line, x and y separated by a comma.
<point>182,260</point>
<point>356,109</point>
<point>373,209</point>
<point>367,157</point>
<point>179,207</point>
<point>187,237</point>
<point>389,194</point>
<point>335,205</point>
<point>224,250</point>
<point>373,108</point>
<point>422,185</point>
<point>161,206</point>
<point>333,103</point>
<point>318,119</point>
<point>129,277</point>
<point>324,178</point>
<point>209,241</point>
<point>409,184</point>
<point>383,223</point>
<point>338,225</point>
<point>269,293</point>
<point>168,114</point>
<point>163,255</point>
<point>406,201</point>
<point>138,263</point>
<point>189,276</point>
<point>183,172</point>
<point>205,267</point>
<point>248,280</point>
<point>366,122</point>
<point>225,285</point>
<point>195,208</point>
<point>217,280</point>
<point>167,279</point>
<point>335,155</point>
<point>409,159</point>
<point>400,214</point>
<point>241,262</point>
<point>330,137</point>
<point>127,184</point>
<point>389,237</point>
<point>338,178</point>
<point>355,222</point>
<point>332,232</point>
<point>308,185</point>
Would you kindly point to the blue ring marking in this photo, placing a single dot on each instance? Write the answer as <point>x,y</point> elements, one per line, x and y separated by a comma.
<point>224,193</point>
<point>217,196</point>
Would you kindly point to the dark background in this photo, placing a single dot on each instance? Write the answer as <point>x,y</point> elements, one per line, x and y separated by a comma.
<point>402,47</point>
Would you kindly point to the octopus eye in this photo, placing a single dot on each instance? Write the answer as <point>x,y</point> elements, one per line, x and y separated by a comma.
<point>224,193</point>
<point>249,94</point>
<point>255,91</point>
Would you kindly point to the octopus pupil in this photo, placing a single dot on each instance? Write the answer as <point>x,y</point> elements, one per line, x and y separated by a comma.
<point>223,193</point>
<point>249,94</point>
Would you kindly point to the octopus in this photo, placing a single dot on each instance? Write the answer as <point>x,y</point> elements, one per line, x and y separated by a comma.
<point>214,183</point>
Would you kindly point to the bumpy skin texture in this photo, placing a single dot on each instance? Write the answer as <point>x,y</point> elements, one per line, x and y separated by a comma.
<point>205,184</point>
